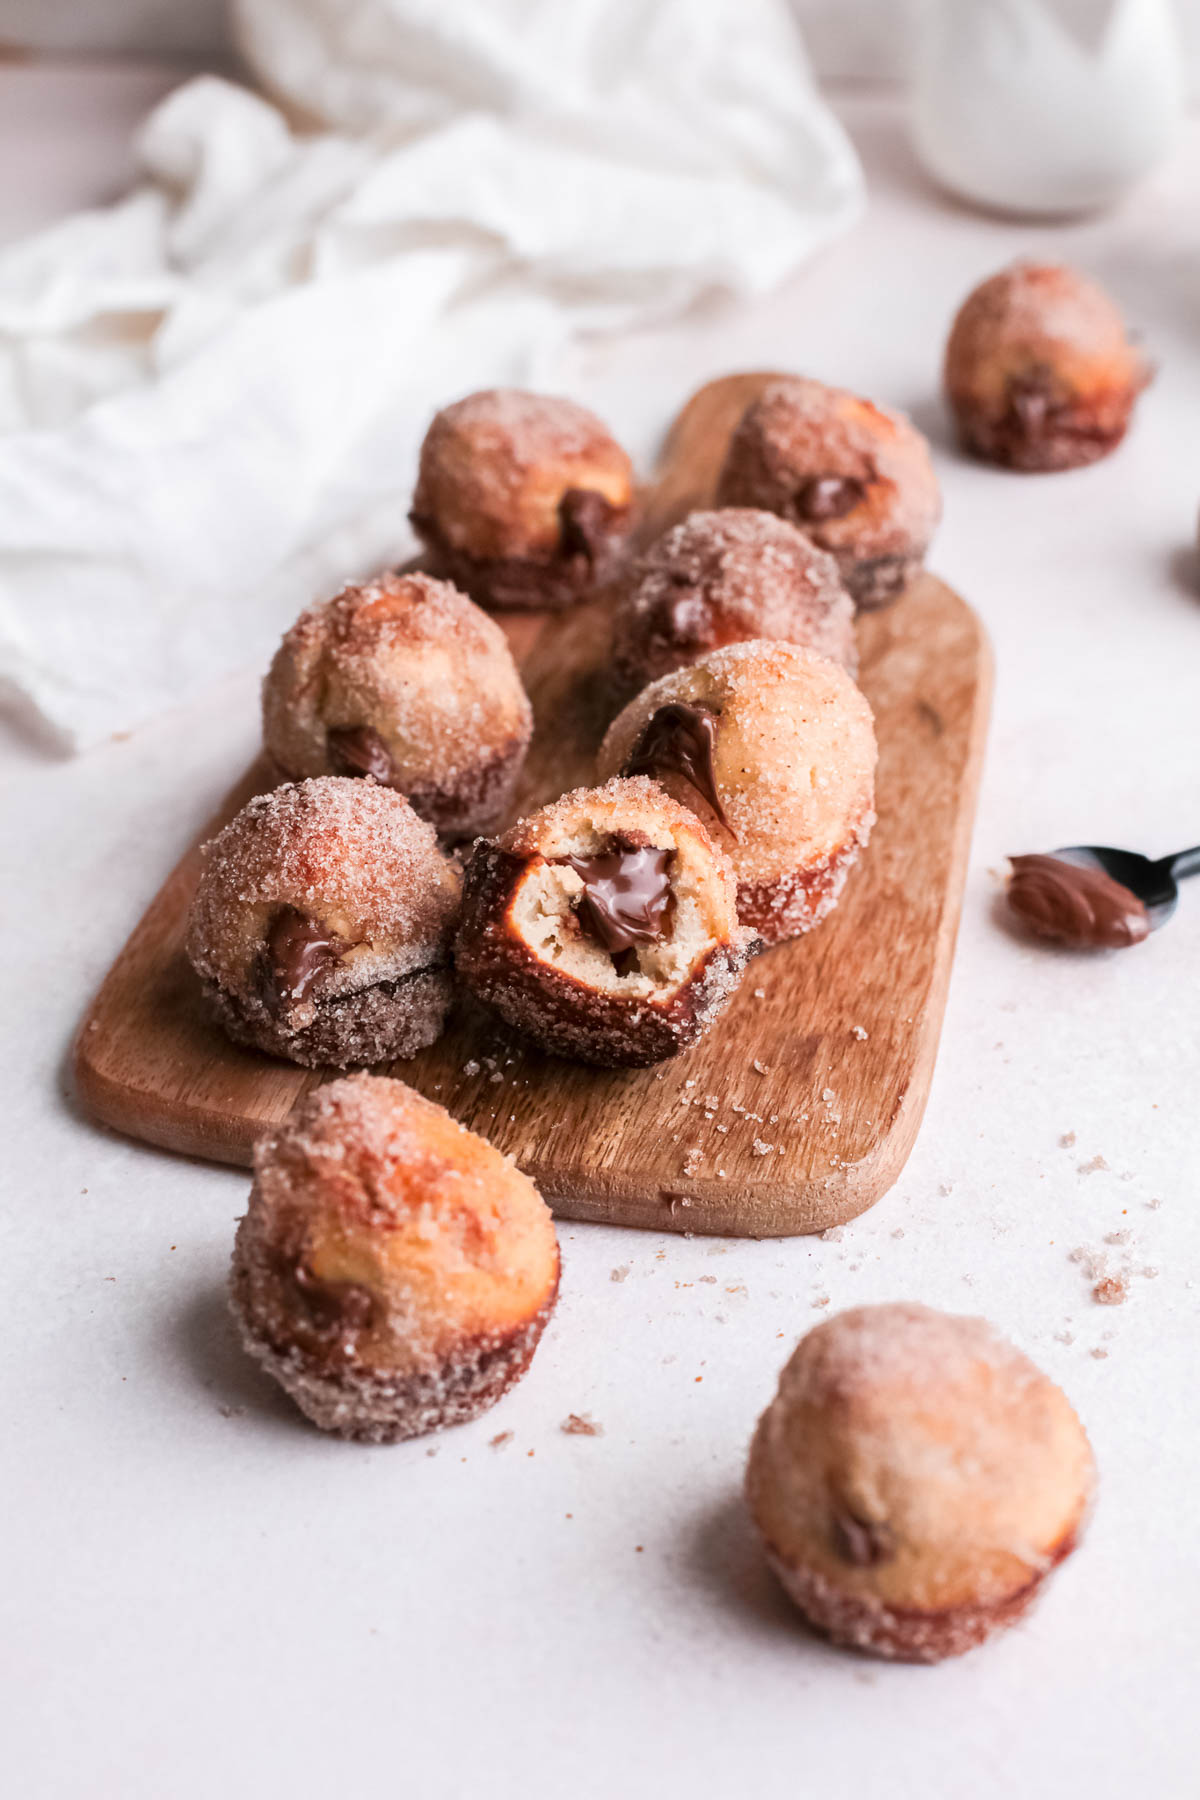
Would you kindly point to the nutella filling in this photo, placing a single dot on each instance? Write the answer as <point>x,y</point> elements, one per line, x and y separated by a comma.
<point>585,523</point>
<point>679,739</point>
<point>1030,402</point>
<point>297,953</point>
<point>359,750</point>
<point>828,497</point>
<point>626,896</point>
<point>332,1305</point>
<point>1075,905</point>
<point>863,1542</point>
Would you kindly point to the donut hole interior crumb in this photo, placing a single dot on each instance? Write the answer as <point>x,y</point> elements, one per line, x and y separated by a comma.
<point>545,914</point>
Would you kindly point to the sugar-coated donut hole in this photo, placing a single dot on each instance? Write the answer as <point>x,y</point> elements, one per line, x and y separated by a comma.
<point>522,499</point>
<point>798,440</point>
<point>793,759</point>
<point>915,1479</point>
<point>430,679</point>
<point>1040,373</point>
<point>353,860</point>
<point>393,1270</point>
<point>528,944</point>
<point>726,576</point>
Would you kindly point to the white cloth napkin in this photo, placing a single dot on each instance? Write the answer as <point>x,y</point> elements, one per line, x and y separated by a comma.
<point>211,394</point>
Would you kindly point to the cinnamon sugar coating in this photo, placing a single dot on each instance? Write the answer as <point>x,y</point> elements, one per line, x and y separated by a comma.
<point>529,945</point>
<point>523,500</point>
<point>1040,373</point>
<point>915,1480</point>
<point>853,476</point>
<point>723,577</point>
<point>405,679</point>
<point>393,1271</point>
<point>320,926</point>
<point>793,764</point>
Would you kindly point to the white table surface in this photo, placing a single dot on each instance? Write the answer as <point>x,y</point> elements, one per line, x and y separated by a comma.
<point>207,1597</point>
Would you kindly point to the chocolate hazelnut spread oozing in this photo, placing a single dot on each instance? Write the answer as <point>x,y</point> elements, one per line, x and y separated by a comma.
<point>863,1542</point>
<point>359,750</point>
<point>1075,905</point>
<point>585,520</point>
<point>828,497</point>
<point>332,1306</point>
<point>678,739</point>
<point>626,895</point>
<point>297,953</point>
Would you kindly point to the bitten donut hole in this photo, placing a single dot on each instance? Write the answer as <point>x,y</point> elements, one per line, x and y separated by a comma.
<point>625,917</point>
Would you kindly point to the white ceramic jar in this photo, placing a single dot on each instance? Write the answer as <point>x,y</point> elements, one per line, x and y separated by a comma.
<point>1045,106</point>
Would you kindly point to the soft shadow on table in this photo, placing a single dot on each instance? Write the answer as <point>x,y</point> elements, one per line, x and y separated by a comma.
<point>928,413</point>
<point>724,1557</point>
<point>205,1342</point>
<point>1183,567</point>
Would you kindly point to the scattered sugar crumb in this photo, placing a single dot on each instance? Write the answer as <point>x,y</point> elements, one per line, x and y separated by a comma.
<point>760,1068</point>
<point>501,1438</point>
<point>856,1031</point>
<point>833,1234</point>
<point>945,1188</point>
<point>232,1412</point>
<point>1067,1140</point>
<point>1064,1337</point>
<point>619,1274</point>
<point>760,993</point>
<point>471,1068</point>
<point>1118,1237</point>
<point>581,1425</point>
<point>1110,1290</point>
<point>899,1232</point>
<point>1149,1271</point>
<point>1090,1168</point>
<point>1098,1354</point>
<point>821,1300</point>
<point>760,1148</point>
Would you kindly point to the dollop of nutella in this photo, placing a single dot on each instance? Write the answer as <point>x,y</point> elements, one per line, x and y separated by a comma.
<point>626,896</point>
<point>585,522</point>
<point>678,739</point>
<point>829,497</point>
<point>298,951</point>
<point>1075,904</point>
<point>863,1542</point>
<point>359,750</point>
<point>332,1306</point>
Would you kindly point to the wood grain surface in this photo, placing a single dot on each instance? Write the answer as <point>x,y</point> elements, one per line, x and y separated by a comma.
<point>799,1108</point>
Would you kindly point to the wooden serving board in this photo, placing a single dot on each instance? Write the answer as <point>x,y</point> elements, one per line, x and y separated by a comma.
<point>799,1108</point>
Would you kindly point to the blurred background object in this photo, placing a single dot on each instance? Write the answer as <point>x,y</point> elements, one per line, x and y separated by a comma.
<point>847,40</point>
<point>1045,106</point>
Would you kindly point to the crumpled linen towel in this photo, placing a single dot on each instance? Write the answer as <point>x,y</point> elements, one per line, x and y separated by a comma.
<point>211,394</point>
